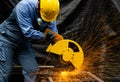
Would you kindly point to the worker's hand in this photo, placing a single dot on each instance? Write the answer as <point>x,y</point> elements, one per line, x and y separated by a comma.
<point>52,36</point>
<point>49,36</point>
<point>57,38</point>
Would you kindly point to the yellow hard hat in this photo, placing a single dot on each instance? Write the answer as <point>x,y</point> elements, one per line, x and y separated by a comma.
<point>49,10</point>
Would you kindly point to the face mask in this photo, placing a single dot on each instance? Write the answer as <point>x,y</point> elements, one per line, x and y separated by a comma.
<point>39,21</point>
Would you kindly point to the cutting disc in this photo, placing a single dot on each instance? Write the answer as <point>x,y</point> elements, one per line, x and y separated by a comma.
<point>69,51</point>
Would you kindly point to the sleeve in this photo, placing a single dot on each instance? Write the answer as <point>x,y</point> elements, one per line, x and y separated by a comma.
<point>25,22</point>
<point>53,26</point>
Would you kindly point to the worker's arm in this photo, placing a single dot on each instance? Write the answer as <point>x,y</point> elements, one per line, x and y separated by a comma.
<point>44,25</point>
<point>53,27</point>
<point>25,14</point>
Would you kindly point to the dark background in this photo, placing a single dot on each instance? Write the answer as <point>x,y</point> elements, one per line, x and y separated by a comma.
<point>95,25</point>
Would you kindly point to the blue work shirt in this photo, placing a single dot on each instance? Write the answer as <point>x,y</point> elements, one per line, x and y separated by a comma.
<point>20,25</point>
<point>26,16</point>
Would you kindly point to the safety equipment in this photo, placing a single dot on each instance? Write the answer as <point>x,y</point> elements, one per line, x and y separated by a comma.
<point>69,50</point>
<point>49,10</point>
<point>57,38</point>
<point>52,36</point>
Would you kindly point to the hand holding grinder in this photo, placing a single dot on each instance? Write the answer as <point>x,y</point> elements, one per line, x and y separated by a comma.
<point>51,36</point>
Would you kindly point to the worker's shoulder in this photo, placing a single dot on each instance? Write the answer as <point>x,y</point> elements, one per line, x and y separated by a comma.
<point>27,2</point>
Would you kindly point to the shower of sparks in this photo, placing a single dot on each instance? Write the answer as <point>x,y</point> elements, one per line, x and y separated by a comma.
<point>100,40</point>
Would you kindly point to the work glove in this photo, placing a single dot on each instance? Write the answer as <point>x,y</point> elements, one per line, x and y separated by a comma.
<point>57,38</point>
<point>52,36</point>
<point>49,36</point>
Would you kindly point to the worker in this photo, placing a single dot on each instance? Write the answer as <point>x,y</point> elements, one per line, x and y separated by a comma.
<point>28,21</point>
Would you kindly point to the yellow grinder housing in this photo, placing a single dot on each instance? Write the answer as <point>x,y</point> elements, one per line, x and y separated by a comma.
<point>69,50</point>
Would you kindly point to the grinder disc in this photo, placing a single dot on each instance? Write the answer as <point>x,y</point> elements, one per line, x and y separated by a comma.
<point>68,53</point>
